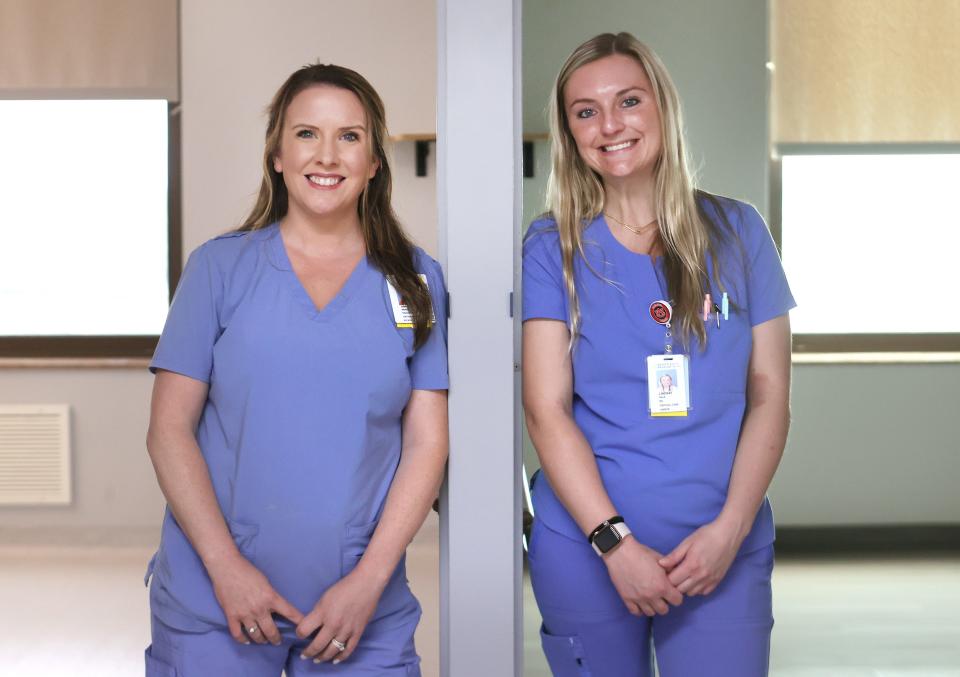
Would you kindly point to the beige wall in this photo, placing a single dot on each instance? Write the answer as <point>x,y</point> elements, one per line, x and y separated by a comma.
<point>866,70</point>
<point>234,56</point>
<point>113,47</point>
<point>115,494</point>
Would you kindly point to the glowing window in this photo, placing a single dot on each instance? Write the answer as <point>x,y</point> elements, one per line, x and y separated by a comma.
<point>84,220</point>
<point>870,242</point>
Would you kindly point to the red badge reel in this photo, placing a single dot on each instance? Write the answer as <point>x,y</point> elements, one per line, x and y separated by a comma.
<point>661,312</point>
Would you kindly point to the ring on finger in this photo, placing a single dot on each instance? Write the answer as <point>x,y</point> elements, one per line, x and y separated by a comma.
<point>252,630</point>
<point>341,646</point>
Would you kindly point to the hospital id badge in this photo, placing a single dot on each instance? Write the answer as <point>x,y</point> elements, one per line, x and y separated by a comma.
<point>668,385</point>
<point>401,314</point>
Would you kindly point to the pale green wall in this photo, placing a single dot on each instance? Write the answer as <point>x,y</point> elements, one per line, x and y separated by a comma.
<point>716,53</point>
<point>871,444</point>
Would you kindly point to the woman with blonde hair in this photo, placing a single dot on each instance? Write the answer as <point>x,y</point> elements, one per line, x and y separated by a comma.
<point>652,524</point>
<point>298,425</point>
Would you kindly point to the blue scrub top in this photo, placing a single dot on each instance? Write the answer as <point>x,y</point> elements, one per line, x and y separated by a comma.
<point>666,476</point>
<point>301,430</point>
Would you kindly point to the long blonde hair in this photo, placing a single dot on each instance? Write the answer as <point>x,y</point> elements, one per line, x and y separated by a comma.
<point>575,194</point>
<point>388,247</point>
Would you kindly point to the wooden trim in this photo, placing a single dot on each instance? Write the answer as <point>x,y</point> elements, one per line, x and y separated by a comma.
<point>869,343</point>
<point>413,137</point>
<point>892,148</point>
<point>775,208</point>
<point>174,199</point>
<point>77,346</point>
<point>877,358</point>
<point>137,363</point>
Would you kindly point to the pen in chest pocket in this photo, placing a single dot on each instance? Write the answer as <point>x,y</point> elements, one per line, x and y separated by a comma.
<point>709,307</point>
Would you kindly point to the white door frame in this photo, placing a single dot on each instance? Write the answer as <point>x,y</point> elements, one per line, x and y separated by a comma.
<point>478,195</point>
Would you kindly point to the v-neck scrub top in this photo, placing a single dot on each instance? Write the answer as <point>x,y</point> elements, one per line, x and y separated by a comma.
<point>667,476</point>
<point>301,430</point>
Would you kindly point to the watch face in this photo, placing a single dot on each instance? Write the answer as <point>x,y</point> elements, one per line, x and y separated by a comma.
<point>606,539</point>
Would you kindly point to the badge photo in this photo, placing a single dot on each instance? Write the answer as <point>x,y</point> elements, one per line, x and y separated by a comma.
<point>668,385</point>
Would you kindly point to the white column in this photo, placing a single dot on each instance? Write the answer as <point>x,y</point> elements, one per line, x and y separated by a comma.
<point>478,125</point>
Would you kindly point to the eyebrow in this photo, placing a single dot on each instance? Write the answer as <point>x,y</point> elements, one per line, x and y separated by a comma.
<point>620,93</point>
<point>303,125</point>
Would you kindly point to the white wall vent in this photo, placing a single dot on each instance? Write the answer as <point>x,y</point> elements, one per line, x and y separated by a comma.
<point>35,454</point>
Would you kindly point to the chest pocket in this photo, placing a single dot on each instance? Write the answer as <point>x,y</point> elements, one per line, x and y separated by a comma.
<point>722,367</point>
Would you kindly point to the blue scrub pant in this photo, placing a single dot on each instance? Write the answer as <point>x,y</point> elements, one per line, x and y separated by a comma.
<point>385,650</point>
<point>588,632</point>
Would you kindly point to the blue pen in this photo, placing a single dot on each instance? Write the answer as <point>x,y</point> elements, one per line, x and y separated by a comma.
<point>725,306</point>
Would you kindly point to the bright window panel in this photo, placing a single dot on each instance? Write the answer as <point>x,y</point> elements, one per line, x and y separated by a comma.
<point>84,218</point>
<point>870,242</point>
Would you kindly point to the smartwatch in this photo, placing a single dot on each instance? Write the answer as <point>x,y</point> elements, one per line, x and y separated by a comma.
<point>608,535</point>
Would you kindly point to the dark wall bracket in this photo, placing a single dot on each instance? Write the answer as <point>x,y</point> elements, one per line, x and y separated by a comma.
<point>528,162</point>
<point>423,152</point>
<point>422,143</point>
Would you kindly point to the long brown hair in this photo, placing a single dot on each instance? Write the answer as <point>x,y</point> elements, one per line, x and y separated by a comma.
<point>388,247</point>
<point>575,194</point>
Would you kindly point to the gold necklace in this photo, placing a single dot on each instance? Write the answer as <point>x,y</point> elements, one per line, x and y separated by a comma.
<point>633,229</point>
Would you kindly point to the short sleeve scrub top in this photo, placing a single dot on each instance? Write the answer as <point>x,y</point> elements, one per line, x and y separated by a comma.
<point>301,430</point>
<point>667,476</point>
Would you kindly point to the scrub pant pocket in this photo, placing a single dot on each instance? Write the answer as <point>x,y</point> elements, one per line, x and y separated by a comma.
<point>156,667</point>
<point>565,655</point>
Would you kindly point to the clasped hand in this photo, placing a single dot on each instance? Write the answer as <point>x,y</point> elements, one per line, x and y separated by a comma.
<point>249,601</point>
<point>341,614</point>
<point>648,582</point>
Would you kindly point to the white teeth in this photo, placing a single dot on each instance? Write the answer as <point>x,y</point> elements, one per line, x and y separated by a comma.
<point>619,146</point>
<point>325,180</point>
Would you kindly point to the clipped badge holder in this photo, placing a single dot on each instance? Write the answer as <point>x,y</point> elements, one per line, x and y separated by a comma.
<point>668,375</point>
<point>401,313</point>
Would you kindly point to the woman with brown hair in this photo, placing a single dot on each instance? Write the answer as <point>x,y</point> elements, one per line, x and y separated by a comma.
<point>298,426</point>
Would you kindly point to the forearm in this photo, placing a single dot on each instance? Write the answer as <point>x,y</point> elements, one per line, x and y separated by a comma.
<point>571,467</point>
<point>412,492</point>
<point>564,452</point>
<point>185,482</point>
<point>763,434</point>
<point>762,440</point>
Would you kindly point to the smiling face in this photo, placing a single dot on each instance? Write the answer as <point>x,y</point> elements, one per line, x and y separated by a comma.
<point>325,154</point>
<point>666,383</point>
<point>613,117</point>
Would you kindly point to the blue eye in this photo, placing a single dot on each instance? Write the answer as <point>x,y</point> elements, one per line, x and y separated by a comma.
<point>585,113</point>
<point>630,101</point>
<point>305,134</point>
<point>350,136</point>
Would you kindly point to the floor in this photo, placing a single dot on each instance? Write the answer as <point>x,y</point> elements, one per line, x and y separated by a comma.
<point>82,612</point>
<point>77,611</point>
